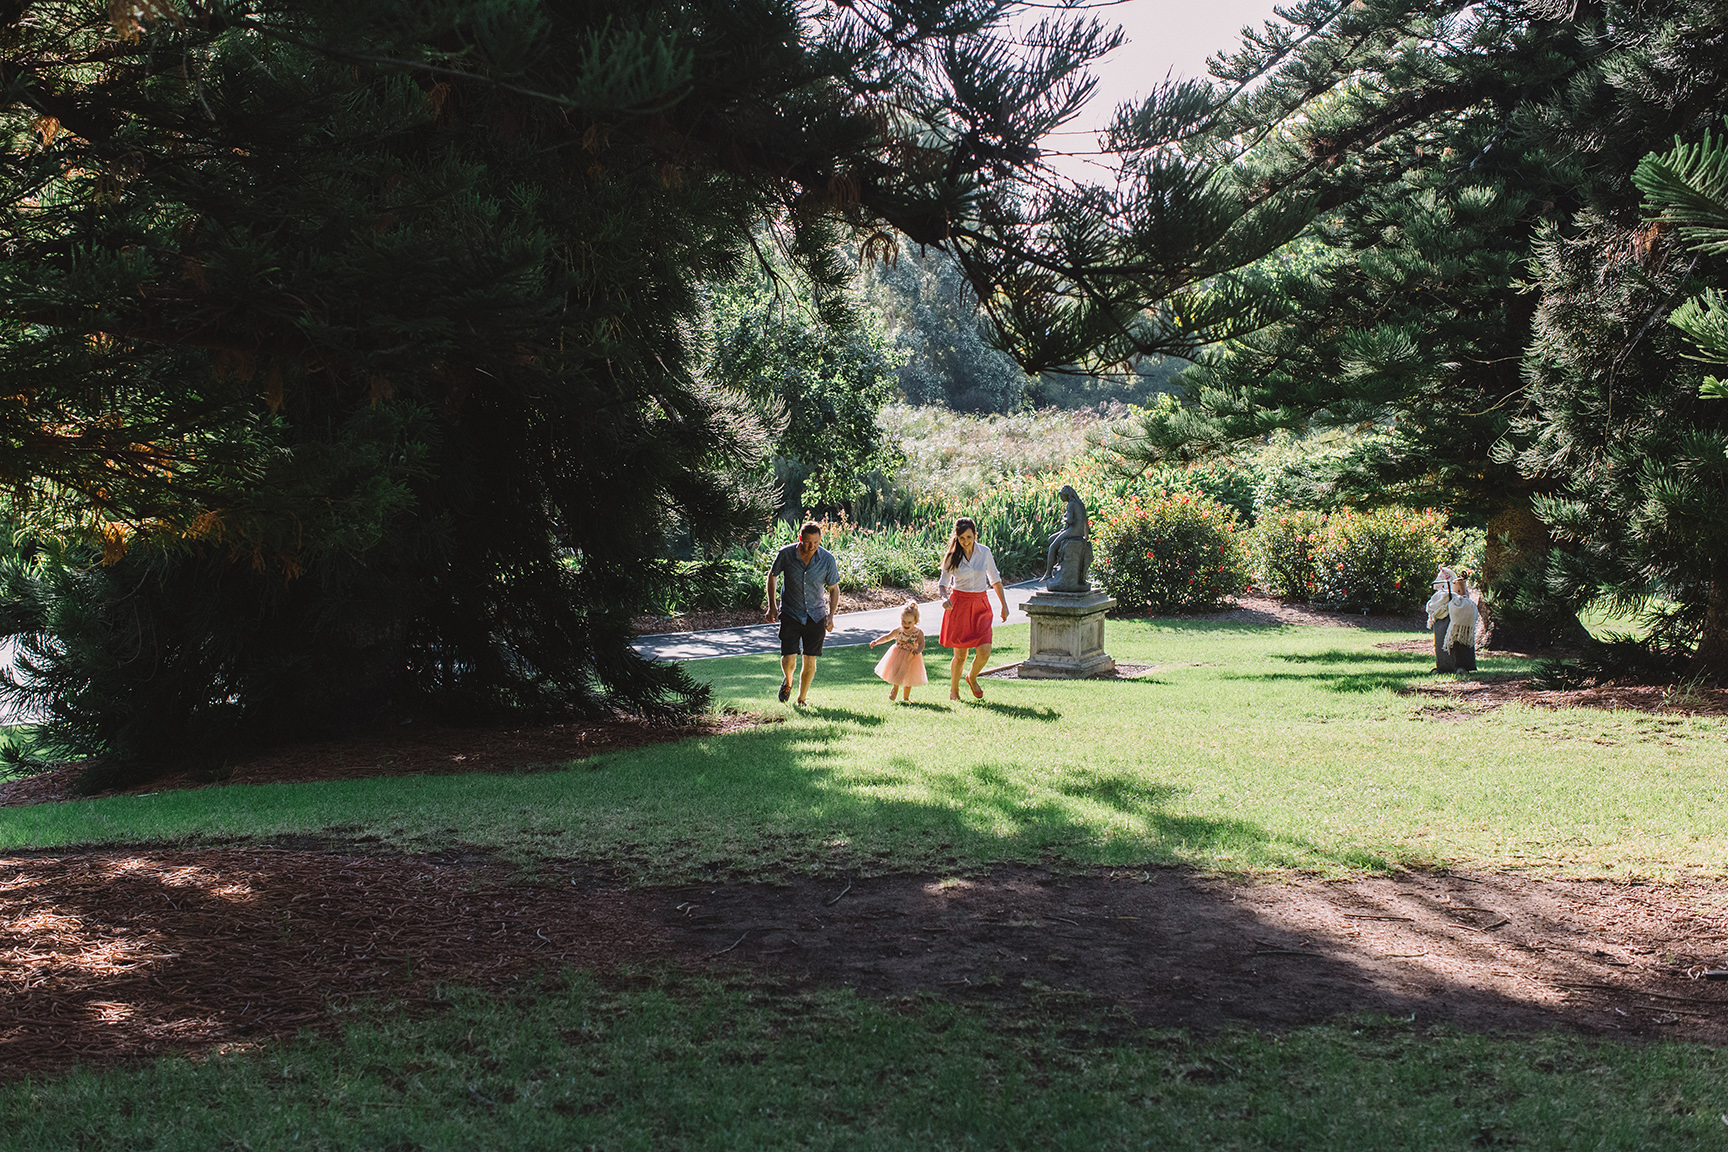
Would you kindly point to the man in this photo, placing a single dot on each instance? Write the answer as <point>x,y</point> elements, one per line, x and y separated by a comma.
<point>805,616</point>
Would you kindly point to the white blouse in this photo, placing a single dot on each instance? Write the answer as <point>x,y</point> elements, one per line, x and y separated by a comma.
<point>975,573</point>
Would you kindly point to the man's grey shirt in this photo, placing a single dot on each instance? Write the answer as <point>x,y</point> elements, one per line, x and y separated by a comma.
<point>806,596</point>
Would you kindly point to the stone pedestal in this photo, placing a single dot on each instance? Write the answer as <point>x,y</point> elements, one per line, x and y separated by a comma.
<point>1067,636</point>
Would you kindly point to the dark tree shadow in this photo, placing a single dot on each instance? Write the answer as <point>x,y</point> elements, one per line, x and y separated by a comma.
<point>1020,711</point>
<point>843,715</point>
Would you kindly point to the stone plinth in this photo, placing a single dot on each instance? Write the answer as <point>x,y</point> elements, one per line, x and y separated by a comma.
<point>1067,636</point>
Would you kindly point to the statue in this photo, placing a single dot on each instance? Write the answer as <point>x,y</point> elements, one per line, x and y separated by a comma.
<point>1070,549</point>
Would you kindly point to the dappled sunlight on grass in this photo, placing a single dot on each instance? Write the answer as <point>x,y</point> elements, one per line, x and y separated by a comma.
<point>1254,748</point>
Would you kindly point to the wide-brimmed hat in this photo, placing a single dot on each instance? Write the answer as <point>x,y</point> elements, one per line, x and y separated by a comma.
<point>1444,577</point>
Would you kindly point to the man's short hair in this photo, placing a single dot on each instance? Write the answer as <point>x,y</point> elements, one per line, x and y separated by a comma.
<point>810,526</point>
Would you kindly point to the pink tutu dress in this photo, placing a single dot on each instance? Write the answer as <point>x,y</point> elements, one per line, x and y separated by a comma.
<point>903,663</point>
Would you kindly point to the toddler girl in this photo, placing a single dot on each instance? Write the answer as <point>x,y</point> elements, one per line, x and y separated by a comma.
<point>903,664</point>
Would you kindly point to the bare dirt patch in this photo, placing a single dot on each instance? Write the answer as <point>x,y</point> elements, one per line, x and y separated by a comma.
<point>1492,691</point>
<point>1473,951</point>
<point>414,750</point>
<point>116,954</point>
<point>1251,609</point>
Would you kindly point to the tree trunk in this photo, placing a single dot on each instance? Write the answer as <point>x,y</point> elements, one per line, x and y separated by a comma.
<point>1710,659</point>
<point>1517,540</point>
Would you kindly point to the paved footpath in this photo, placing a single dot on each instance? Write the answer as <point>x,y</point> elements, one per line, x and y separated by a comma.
<point>850,628</point>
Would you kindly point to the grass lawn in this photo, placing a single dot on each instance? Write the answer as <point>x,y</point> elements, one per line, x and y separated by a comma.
<point>697,1064</point>
<point>1249,750</point>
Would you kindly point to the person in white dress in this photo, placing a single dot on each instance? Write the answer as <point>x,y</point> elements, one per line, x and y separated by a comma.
<point>1465,623</point>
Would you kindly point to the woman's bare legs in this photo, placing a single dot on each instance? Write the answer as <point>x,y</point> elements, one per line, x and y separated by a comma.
<point>954,669</point>
<point>978,663</point>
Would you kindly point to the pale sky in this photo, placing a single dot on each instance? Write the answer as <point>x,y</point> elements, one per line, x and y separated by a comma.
<point>1166,38</point>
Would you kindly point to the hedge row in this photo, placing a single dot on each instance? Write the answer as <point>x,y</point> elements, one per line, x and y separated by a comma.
<point>1158,547</point>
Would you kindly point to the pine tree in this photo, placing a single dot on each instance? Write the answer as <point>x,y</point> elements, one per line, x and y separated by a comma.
<point>1624,415</point>
<point>1441,142</point>
<point>349,351</point>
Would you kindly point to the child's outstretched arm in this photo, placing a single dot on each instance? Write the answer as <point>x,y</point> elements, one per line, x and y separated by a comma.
<point>884,638</point>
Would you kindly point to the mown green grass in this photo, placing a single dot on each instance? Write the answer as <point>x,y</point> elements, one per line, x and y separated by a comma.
<point>695,1064</point>
<point>1249,749</point>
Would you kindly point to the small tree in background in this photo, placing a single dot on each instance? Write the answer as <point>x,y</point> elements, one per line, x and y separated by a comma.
<point>816,386</point>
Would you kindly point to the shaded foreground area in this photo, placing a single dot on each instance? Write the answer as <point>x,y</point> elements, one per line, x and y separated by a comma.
<point>116,954</point>
<point>420,750</point>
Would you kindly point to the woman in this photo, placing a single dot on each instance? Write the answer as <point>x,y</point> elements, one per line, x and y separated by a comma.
<point>968,572</point>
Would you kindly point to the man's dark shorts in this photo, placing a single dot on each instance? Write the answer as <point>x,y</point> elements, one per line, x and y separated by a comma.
<point>795,632</point>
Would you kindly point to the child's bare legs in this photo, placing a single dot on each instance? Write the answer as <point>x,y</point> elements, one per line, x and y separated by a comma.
<point>894,692</point>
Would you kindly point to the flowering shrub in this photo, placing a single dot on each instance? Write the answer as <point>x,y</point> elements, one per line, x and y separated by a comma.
<point>1357,560</point>
<point>1378,560</point>
<point>1282,545</point>
<point>1170,552</point>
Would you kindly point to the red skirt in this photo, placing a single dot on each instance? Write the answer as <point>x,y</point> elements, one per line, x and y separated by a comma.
<point>966,623</point>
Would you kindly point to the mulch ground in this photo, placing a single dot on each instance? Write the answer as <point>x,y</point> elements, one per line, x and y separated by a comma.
<point>1493,691</point>
<point>116,954</point>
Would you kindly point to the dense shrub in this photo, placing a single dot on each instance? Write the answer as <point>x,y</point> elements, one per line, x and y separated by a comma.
<point>1282,546</point>
<point>1170,552</point>
<point>1378,560</point>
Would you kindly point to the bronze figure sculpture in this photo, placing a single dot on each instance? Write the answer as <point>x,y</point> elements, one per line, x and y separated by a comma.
<point>1070,549</point>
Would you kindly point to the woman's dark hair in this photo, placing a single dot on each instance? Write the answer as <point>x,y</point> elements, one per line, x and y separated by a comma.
<point>951,559</point>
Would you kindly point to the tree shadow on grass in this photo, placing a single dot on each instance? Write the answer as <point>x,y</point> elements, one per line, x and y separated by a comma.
<point>845,716</point>
<point>1020,711</point>
<point>1348,672</point>
<point>798,788</point>
<point>1341,656</point>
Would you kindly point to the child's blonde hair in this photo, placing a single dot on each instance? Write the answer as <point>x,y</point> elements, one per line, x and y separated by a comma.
<point>911,610</point>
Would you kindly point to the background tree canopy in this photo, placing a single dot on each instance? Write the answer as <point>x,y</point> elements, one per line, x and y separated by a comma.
<point>1479,278</point>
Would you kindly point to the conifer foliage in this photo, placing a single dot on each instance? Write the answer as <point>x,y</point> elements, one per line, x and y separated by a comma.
<point>347,349</point>
<point>1479,280</point>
